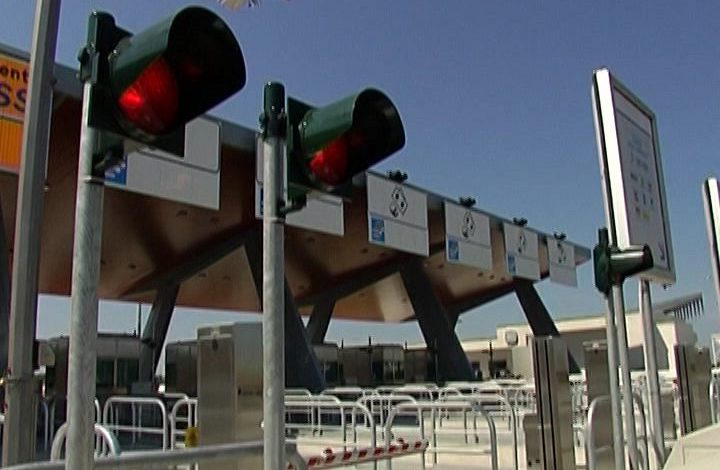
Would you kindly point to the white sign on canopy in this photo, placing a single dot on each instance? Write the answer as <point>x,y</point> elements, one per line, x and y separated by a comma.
<point>397,215</point>
<point>521,252</point>
<point>561,262</point>
<point>467,237</point>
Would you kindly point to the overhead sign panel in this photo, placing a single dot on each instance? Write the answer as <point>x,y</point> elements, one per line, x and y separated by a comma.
<point>467,237</point>
<point>633,182</point>
<point>561,261</point>
<point>194,179</point>
<point>397,215</point>
<point>322,213</point>
<point>521,252</point>
<point>13,96</point>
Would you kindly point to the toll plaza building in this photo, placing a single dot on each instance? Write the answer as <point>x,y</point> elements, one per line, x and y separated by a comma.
<point>508,353</point>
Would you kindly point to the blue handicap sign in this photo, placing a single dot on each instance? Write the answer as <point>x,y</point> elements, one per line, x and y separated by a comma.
<point>453,249</point>
<point>512,268</point>
<point>117,174</point>
<point>377,232</point>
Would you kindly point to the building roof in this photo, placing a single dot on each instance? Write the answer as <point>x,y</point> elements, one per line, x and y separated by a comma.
<point>149,242</point>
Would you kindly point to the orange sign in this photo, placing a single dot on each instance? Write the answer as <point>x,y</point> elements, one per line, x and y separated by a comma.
<point>13,96</point>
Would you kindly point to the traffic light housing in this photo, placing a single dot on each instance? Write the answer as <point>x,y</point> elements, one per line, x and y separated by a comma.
<point>327,146</point>
<point>613,265</point>
<point>147,86</point>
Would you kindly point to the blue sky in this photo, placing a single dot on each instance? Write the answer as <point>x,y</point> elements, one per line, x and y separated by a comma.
<point>495,97</point>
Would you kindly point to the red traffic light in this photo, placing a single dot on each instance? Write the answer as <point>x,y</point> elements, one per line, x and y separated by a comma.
<point>172,72</point>
<point>151,101</point>
<point>329,145</point>
<point>330,164</point>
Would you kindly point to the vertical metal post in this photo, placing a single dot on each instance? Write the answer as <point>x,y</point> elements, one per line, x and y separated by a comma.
<point>274,130</point>
<point>651,371</point>
<point>626,385</point>
<point>19,432</point>
<point>4,303</point>
<point>711,200</point>
<point>611,333</point>
<point>84,301</point>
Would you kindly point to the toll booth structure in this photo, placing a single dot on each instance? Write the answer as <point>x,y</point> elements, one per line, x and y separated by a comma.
<point>170,253</point>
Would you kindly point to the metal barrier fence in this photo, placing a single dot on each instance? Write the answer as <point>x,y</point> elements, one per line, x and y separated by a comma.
<point>591,451</point>
<point>313,415</point>
<point>110,419</point>
<point>715,399</point>
<point>489,403</point>
<point>381,405</point>
<point>341,409</point>
<point>105,444</point>
<point>190,419</point>
<point>48,408</point>
<point>434,408</point>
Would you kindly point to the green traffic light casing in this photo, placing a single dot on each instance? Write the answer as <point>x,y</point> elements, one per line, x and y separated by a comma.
<point>369,113</point>
<point>199,48</point>
<point>613,265</point>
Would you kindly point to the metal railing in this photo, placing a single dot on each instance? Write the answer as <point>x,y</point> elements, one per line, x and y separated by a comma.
<point>110,420</point>
<point>157,458</point>
<point>190,405</point>
<point>505,411</point>
<point>714,399</point>
<point>342,409</point>
<point>105,444</point>
<point>591,450</point>
<point>381,405</point>
<point>434,408</point>
<point>313,415</point>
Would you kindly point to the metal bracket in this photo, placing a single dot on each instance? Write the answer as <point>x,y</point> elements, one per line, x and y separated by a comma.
<point>292,204</point>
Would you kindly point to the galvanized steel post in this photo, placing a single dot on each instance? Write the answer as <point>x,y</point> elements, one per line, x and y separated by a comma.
<point>84,301</point>
<point>651,372</point>
<point>274,126</point>
<point>626,385</point>
<point>615,405</point>
<point>19,432</point>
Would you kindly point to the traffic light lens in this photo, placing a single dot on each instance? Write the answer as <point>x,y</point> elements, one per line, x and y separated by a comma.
<point>151,102</point>
<point>329,165</point>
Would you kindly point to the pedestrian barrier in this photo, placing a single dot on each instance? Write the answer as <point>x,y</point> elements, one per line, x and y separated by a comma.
<point>313,415</point>
<point>380,405</point>
<point>523,400</point>
<point>591,450</point>
<point>715,399</point>
<point>111,417</point>
<point>348,393</point>
<point>108,444</point>
<point>343,409</point>
<point>189,419</point>
<point>484,400</point>
<point>48,407</point>
<point>435,407</point>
